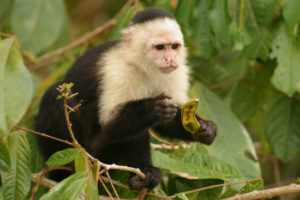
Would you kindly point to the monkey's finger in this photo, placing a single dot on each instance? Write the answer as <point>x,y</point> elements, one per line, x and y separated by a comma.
<point>164,95</point>
<point>165,104</point>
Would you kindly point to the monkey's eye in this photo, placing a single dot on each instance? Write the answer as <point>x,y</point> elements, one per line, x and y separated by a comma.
<point>175,46</point>
<point>159,47</point>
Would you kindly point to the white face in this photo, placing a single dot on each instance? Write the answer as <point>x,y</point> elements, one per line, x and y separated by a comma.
<point>160,43</point>
<point>166,52</point>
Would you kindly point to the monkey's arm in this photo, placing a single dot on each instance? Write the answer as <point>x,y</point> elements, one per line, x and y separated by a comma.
<point>135,117</point>
<point>174,129</point>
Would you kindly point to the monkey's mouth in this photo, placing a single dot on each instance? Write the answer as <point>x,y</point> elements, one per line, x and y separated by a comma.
<point>167,69</point>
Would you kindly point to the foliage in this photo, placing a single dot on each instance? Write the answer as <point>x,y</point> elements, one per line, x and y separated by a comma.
<point>244,57</point>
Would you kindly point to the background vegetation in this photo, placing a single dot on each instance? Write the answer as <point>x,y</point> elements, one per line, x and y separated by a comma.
<point>245,59</point>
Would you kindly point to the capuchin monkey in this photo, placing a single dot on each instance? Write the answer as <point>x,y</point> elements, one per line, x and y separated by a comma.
<point>127,87</point>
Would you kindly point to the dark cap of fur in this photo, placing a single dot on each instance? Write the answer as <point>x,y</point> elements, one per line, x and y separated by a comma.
<point>150,14</point>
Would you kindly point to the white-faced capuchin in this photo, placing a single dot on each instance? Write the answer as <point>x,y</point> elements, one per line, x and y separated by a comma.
<point>127,87</point>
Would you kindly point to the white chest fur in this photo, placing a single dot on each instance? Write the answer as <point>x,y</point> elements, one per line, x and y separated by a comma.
<point>123,83</point>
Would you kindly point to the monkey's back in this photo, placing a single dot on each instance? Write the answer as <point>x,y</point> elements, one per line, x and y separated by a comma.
<point>51,120</point>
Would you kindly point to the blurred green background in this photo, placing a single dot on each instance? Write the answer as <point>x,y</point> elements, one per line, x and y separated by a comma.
<point>245,61</point>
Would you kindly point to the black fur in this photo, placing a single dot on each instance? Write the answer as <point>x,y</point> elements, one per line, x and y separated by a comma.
<point>150,14</point>
<point>125,137</point>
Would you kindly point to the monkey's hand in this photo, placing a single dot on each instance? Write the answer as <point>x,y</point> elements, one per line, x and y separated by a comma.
<point>153,177</point>
<point>207,132</point>
<point>163,111</point>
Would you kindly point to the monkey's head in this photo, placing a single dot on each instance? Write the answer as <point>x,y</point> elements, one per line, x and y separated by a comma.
<point>156,38</point>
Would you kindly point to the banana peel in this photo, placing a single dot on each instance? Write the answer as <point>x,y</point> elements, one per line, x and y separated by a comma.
<point>188,118</point>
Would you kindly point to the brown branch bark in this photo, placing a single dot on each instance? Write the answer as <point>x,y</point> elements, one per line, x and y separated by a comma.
<point>268,193</point>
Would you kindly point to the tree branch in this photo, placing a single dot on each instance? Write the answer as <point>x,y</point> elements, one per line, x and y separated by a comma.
<point>268,193</point>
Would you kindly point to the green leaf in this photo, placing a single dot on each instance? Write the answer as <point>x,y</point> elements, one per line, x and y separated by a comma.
<point>264,11</point>
<point>62,157</point>
<point>16,87</point>
<point>232,144</point>
<point>240,36</point>
<point>80,163</point>
<point>282,127</point>
<point>260,46</point>
<point>202,32</point>
<point>4,156</point>
<point>68,189</point>
<point>16,182</point>
<point>185,169</point>
<point>286,76</point>
<point>182,196</point>
<point>224,69</point>
<point>198,155</point>
<point>122,22</point>
<point>5,9</point>
<point>238,28</point>
<point>291,15</point>
<point>37,23</point>
<point>184,15</point>
<point>1,193</point>
<point>244,96</point>
<point>219,22</point>
<point>92,187</point>
<point>37,161</point>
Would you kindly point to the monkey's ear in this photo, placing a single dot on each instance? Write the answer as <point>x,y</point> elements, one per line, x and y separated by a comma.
<point>127,35</point>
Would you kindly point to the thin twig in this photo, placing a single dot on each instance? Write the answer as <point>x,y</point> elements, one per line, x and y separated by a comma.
<point>159,139</point>
<point>69,125</point>
<point>117,183</point>
<point>105,188</point>
<point>45,135</point>
<point>112,185</point>
<point>228,82</point>
<point>222,185</point>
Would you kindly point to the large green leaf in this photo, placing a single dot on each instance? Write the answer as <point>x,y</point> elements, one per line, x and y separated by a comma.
<point>184,19</point>
<point>226,68</point>
<point>195,163</point>
<point>37,161</point>
<point>202,34</point>
<point>232,144</point>
<point>260,46</point>
<point>4,156</point>
<point>282,127</point>
<point>291,15</point>
<point>189,170</point>
<point>244,96</point>
<point>286,77</point>
<point>5,9</point>
<point>15,85</point>
<point>238,28</point>
<point>37,23</point>
<point>263,11</point>
<point>17,181</point>
<point>219,21</point>
<point>68,189</point>
<point>62,157</point>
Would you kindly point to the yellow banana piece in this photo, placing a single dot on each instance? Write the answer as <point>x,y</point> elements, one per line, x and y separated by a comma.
<point>188,118</point>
